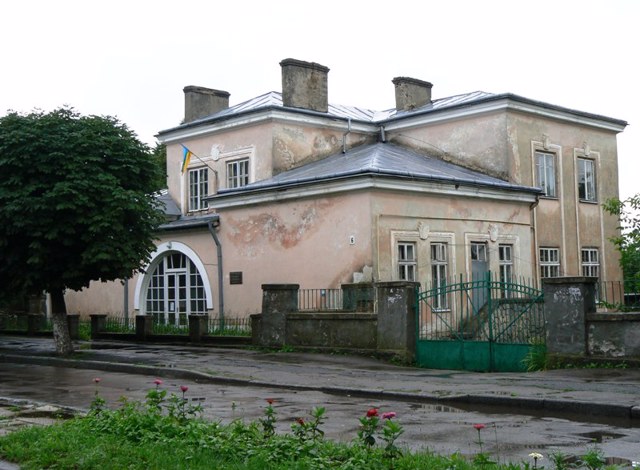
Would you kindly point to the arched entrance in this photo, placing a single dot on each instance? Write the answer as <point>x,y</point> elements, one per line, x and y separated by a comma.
<point>174,286</point>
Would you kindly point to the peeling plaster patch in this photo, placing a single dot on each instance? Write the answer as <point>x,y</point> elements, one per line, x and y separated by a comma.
<point>325,143</point>
<point>256,230</point>
<point>605,348</point>
<point>570,294</point>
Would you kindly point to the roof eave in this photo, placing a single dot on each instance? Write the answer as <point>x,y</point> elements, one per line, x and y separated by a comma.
<point>504,101</point>
<point>325,185</point>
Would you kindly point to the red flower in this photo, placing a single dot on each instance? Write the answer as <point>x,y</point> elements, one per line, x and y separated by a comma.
<point>270,401</point>
<point>157,382</point>
<point>479,426</point>
<point>184,388</point>
<point>300,421</point>
<point>389,415</point>
<point>97,380</point>
<point>372,412</point>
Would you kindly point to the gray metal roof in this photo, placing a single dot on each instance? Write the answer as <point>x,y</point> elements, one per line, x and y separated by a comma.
<point>383,159</point>
<point>273,100</point>
<point>186,222</point>
<point>168,205</point>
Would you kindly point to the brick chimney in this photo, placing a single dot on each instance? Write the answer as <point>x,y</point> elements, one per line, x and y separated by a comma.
<point>411,93</point>
<point>200,102</point>
<point>304,85</point>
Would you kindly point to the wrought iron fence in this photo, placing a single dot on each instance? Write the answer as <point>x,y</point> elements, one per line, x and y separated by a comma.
<point>622,296</point>
<point>162,328</point>
<point>13,322</point>
<point>216,326</point>
<point>317,300</point>
<point>114,324</point>
<point>229,326</point>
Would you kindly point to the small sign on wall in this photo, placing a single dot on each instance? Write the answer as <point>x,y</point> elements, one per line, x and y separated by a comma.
<point>235,277</point>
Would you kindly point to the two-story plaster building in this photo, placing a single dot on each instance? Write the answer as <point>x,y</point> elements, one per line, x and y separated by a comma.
<point>286,188</point>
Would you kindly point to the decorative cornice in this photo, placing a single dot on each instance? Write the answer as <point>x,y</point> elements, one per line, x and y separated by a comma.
<point>365,182</point>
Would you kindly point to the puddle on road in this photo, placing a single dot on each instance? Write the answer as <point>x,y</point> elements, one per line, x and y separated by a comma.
<point>599,437</point>
<point>438,408</point>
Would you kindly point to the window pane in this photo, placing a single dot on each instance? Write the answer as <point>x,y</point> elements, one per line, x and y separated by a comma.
<point>407,264</point>
<point>238,173</point>
<point>198,188</point>
<point>546,173</point>
<point>549,262</point>
<point>586,180</point>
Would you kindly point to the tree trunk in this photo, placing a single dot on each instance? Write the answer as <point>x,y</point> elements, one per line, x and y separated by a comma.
<point>61,336</point>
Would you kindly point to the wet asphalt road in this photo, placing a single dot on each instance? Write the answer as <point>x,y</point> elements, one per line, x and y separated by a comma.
<point>441,428</point>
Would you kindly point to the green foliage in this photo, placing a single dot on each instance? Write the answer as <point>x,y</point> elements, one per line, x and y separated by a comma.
<point>269,420</point>
<point>593,459</point>
<point>76,201</point>
<point>167,432</point>
<point>536,358</point>
<point>628,242</point>
<point>159,157</point>
<point>310,429</point>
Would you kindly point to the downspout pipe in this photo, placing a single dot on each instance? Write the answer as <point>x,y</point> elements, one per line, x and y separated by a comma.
<point>212,231</point>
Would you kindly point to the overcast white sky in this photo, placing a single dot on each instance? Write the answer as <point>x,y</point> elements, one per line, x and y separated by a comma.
<point>131,59</point>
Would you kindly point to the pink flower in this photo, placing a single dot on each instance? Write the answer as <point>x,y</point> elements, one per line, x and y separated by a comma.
<point>270,401</point>
<point>157,382</point>
<point>97,380</point>
<point>389,415</point>
<point>184,388</point>
<point>372,412</point>
<point>479,426</point>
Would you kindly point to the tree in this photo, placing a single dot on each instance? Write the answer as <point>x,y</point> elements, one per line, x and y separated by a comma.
<point>76,205</point>
<point>628,242</point>
<point>159,153</point>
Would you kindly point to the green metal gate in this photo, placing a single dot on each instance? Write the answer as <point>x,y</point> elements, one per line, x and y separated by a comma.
<point>455,331</point>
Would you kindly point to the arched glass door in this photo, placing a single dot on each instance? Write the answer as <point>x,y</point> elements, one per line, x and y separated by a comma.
<point>175,290</point>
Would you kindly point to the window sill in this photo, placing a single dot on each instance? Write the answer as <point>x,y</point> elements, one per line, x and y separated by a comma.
<point>586,201</point>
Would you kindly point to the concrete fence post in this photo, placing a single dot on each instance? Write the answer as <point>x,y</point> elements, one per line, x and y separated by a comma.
<point>144,326</point>
<point>73,322</point>
<point>567,302</point>
<point>277,301</point>
<point>396,309</point>
<point>34,323</point>
<point>98,324</point>
<point>197,327</point>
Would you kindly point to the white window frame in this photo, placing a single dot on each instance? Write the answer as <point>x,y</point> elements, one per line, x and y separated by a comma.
<point>198,180</point>
<point>479,251</point>
<point>545,167</point>
<point>590,260</point>
<point>238,173</point>
<point>439,259</point>
<point>549,262</point>
<point>407,261</point>
<point>586,180</point>
<point>505,265</point>
<point>505,261</point>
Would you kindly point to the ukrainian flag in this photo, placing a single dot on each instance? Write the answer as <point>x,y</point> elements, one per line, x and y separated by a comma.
<point>186,158</point>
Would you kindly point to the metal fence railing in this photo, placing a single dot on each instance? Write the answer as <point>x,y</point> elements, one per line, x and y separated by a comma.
<point>317,300</point>
<point>622,296</point>
<point>229,326</point>
<point>13,322</point>
<point>115,324</point>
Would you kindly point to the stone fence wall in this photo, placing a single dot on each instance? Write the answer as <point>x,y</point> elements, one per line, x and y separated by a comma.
<point>389,326</point>
<point>574,327</point>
